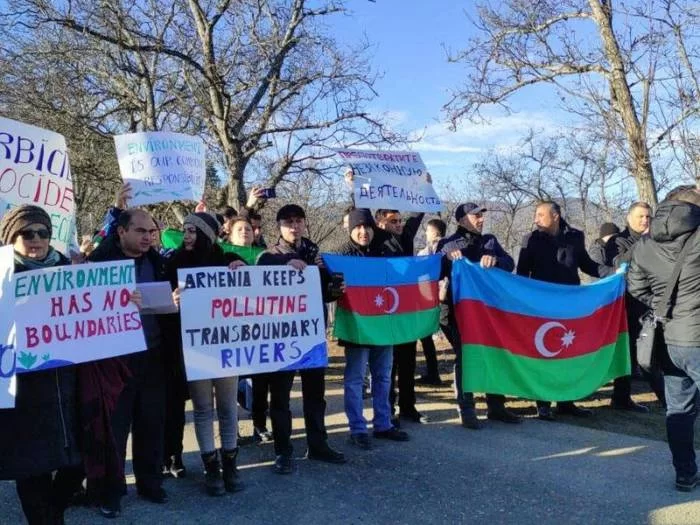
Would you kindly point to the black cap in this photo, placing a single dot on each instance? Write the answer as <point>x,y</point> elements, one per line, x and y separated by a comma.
<point>360,216</point>
<point>468,208</point>
<point>608,228</point>
<point>289,211</point>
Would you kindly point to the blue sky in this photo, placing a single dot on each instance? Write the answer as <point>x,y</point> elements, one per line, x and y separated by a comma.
<point>410,41</point>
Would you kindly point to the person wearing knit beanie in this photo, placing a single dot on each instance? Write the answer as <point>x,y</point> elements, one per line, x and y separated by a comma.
<point>20,218</point>
<point>206,224</point>
<point>608,229</point>
<point>360,216</point>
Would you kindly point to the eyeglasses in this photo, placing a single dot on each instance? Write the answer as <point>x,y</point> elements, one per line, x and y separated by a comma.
<point>29,235</point>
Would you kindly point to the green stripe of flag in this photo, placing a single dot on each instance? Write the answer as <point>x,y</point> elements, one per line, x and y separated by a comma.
<point>390,329</point>
<point>497,371</point>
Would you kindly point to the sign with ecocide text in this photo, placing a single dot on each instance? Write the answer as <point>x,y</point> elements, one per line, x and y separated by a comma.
<point>251,320</point>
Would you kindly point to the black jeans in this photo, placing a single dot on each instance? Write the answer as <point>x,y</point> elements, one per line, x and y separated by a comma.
<point>261,389</point>
<point>404,367</point>
<point>313,387</point>
<point>44,498</point>
<point>431,362</point>
<point>465,400</point>
<point>141,409</point>
<point>683,399</point>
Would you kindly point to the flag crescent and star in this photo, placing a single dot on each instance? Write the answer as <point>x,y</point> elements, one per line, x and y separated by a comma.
<point>394,294</point>
<point>566,340</point>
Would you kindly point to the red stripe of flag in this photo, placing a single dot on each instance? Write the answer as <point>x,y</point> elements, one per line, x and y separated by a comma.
<point>529,336</point>
<point>383,300</point>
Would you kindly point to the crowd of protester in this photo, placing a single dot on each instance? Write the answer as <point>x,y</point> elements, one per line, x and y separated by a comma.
<point>71,424</point>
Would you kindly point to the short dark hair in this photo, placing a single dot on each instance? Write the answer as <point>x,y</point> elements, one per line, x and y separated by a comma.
<point>229,213</point>
<point>690,195</point>
<point>552,206</point>
<point>638,204</point>
<point>382,214</point>
<point>675,192</point>
<point>439,225</point>
<point>254,216</point>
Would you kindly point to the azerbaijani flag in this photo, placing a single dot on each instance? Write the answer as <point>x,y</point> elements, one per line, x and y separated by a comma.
<point>172,239</point>
<point>538,340</point>
<point>387,301</point>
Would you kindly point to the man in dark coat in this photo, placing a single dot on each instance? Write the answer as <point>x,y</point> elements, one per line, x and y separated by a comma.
<point>620,250</point>
<point>141,405</point>
<point>394,238</point>
<point>469,242</point>
<point>296,250</point>
<point>600,251</point>
<point>554,253</point>
<point>676,222</point>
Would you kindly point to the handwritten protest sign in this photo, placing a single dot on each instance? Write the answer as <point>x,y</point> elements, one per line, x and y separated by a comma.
<point>74,314</point>
<point>34,169</point>
<point>251,320</point>
<point>162,166</point>
<point>394,180</point>
<point>7,328</point>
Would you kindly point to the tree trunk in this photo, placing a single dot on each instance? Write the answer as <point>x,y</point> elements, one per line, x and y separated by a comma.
<point>642,170</point>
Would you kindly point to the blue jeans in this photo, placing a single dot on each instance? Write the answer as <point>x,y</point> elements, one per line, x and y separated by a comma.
<point>380,360</point>
<point>682,401</point>
<point>203,392</point>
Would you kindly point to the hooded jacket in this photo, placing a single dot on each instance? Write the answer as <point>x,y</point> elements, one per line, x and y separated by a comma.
<point>652,264</point>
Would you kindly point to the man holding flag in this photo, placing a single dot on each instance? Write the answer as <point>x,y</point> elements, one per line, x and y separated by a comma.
<point>554,253</point>
<point>469,242</point>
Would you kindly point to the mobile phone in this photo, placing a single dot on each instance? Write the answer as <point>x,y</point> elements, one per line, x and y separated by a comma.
<point>337,279</point>
<point>269,193</point>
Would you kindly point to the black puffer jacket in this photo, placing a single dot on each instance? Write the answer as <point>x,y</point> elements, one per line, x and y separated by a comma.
<point>652,264</point>
<point>557,258</point>
<point>388,244</point>
<point>40,434</point>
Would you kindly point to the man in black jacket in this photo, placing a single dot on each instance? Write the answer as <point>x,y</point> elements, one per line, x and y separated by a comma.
<point>296,250</point>
<point>554,253</point>
<point>469,242</point>
<point>620,250</point>
<point>394,238</point>
<point>141,405</point>
<point>653,260</point>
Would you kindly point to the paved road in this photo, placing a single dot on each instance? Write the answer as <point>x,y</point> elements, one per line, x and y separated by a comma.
<point>535,473</point>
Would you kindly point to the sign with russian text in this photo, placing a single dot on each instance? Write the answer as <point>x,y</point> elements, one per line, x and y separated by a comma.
<point>162,166</point>
<point>75,314</point>
<point>7,328</point>
<point>251,320</point>
<point>392,180</point>
<point>34,169</point>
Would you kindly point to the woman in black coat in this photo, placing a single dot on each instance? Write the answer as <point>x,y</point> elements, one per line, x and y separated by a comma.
<point>39,435</point>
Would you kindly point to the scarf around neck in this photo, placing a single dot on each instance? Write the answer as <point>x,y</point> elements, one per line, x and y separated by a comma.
<point>52,259</point>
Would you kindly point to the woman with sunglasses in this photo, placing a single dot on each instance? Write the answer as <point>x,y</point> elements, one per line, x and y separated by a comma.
<point>39,436</point>
<point>199,248</point>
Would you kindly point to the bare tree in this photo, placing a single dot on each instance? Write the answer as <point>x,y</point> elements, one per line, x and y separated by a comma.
<point>607,61</point>
<point>262,80</point>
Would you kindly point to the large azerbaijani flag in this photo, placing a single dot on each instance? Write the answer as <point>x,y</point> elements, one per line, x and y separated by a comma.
<point>538,340</point>
<point>387,301</point>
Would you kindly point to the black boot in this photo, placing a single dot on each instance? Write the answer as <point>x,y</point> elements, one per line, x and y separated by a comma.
<point>213,482</point>
<point>232,481</point>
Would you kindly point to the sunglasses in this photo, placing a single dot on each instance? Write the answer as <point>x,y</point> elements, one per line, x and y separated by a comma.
<point>29,235</point>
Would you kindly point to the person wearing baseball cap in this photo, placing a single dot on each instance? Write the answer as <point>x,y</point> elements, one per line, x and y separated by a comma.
<point>469,242</point>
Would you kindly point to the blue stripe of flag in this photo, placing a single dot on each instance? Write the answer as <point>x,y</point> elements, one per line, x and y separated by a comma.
<point>520,295</point>
<point>382,271</point>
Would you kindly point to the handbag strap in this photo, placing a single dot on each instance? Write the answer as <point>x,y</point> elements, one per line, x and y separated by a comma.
<point>666,299</point>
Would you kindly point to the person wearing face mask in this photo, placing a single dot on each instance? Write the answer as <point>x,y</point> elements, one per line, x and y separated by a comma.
<point>40,435</point>
<point>469,242</point>
<point>362,232</point>
<point>554,252</point>
<point>295,250</point>
<point>199,248</point>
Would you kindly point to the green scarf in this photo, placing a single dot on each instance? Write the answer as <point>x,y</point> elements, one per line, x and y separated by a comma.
<point>52,259</point>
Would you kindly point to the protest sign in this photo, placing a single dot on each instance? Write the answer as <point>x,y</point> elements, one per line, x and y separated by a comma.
<point>7,328</point>
<point>75,314</point>
<point>34,169</point>
<point>251,320</point>
<point>161,166</point>
<point>392,180</point>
